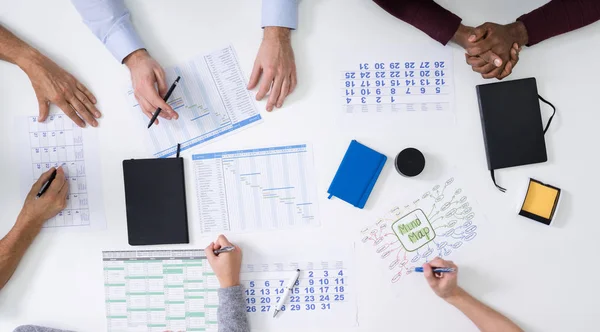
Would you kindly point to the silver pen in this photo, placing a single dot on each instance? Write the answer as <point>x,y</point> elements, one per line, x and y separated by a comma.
<point>224,249</point>
<point>286,293</point>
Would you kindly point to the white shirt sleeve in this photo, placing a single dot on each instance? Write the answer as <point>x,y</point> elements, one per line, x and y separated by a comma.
<point>280,13</point>
<point>109,20</point>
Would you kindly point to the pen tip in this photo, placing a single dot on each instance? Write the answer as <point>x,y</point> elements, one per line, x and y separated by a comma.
<point>275,313</point>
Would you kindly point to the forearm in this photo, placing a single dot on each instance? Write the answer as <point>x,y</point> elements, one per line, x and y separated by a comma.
<point>558,17</point>
<point>484,317</point>
<point>232,310</point>
<point>14,50</point>
<point>14,245</point>
<point>425,15</point>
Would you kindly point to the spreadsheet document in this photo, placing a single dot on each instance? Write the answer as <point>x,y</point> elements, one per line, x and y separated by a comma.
<point>256,189</point>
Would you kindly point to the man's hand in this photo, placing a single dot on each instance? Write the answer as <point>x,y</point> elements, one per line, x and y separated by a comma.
<point>275,60</point>
<point>54,85</point>
<point>226,265</point>
<point>485,69</point>
<point>501,40</point>
<point>147,75</point>
<point>443,284</point>
<point>54,200</point>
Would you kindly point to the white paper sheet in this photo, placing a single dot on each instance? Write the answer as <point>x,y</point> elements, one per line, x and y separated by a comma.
<point>59,142</point>
<point>440,221</point>
<point>397,79</point>
<point>211,99</point>
<point>256,189</point>
<point>325,295</point>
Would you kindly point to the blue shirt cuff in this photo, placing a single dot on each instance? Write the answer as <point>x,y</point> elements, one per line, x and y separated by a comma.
<point>280,13</point>
<point>122,40</point>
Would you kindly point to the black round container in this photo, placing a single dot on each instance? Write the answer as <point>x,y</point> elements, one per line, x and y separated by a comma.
<point>410,162</point>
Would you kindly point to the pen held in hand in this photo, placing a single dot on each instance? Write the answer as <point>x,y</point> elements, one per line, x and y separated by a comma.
<point>47,184</point>
<point>224,249</point>
<point>167,96</point>
<point>435,269</point>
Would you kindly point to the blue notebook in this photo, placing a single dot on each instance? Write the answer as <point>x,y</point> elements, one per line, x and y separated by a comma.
<point>357,174</point>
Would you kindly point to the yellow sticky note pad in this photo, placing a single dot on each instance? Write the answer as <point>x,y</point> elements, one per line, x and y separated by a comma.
<point>540,202</point>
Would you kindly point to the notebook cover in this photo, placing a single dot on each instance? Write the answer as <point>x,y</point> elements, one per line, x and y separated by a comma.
<point>357,174</point>
<point>512,124</point>
<point>155,200</point>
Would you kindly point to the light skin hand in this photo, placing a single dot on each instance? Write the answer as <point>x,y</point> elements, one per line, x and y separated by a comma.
<point>443,284</point>
<point>51,202</point>
<point>226,265</point>
<point>29,222</point>
<point>50,82</point>
<point>275,62</point>
<point>147,76</point>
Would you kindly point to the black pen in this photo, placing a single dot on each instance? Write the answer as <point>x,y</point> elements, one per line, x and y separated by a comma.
<point>165,99</point>
<point>46,185</point>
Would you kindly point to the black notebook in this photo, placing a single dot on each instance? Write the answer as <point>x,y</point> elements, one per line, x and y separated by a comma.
<point>155,199</point>
<point>512,123</point>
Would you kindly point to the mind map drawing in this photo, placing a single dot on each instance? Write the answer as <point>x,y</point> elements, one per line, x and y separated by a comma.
<point>437,223</point>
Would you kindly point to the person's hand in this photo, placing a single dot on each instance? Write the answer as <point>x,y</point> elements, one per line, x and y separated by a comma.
<point>465,36</point>
<point>54,200</point>
<point>275,60</point>
<point>52,84</point>
<point>479,65</point>
<point>501,40</point>
<point>147,75</point>
<point>443,284</point>
<point>226,265</point>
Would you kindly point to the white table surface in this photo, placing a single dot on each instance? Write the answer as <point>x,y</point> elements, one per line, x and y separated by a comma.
<point>544,278</point>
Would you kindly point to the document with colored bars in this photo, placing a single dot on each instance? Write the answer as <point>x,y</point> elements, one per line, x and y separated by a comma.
<point>211,100</point>
<point>176,290</point>
<point>160,290</point>
<point>256,189</point>
<point>398,80</point>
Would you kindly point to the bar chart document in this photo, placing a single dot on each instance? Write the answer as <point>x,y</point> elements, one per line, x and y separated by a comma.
<point>59,142</point>
<point>257,189</point>
<point>160,290</point>
<point>211,99</point>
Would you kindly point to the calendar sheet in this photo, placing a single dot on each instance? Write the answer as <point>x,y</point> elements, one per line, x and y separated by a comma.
<point>324,296</point>
<point>60,142</point>
<point>160,290</point>
<point>176,290</point>
<point>413,79</point>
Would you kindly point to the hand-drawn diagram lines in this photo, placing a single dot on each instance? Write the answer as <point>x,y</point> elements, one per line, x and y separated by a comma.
<point>436,224</point>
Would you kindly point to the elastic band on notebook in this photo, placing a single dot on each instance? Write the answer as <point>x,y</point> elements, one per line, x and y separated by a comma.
<point>178,149</point>
<point>553,113</point>
<point>494,179</point>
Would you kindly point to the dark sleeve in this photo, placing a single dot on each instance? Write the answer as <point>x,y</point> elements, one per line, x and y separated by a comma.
<point>558,17</point>
<point>425,15</point>
<point>231,314</point>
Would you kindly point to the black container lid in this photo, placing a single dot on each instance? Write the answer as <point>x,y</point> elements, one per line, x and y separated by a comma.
<point>410,162</point>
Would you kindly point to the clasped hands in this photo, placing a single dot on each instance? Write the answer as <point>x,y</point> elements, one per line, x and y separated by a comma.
<point>492,49</point>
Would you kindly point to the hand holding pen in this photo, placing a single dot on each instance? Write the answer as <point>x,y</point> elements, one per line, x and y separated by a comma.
<point>46,198</point>
<point>225,260</point>
<point>444,284</point>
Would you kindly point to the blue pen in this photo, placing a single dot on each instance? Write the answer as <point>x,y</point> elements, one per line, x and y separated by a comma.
<point>436,270</point>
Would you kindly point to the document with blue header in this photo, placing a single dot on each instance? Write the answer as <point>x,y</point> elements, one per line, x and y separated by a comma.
<point>256,189</point>
<point>211,99</point>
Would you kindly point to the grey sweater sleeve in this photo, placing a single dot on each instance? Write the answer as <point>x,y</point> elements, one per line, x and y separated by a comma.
<point>232,310</point>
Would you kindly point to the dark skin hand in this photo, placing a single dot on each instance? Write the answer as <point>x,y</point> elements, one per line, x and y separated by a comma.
<point>503,40</point>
